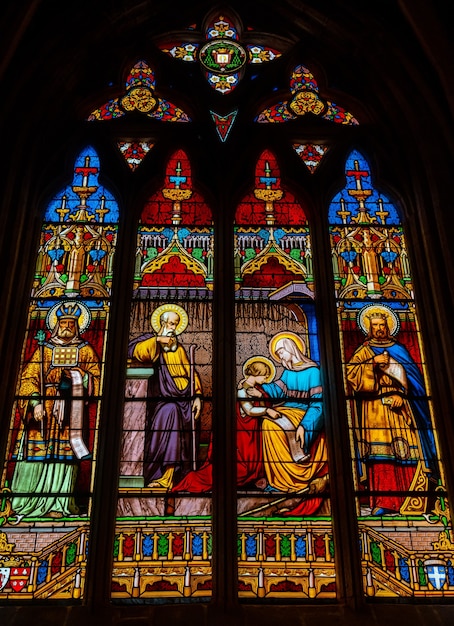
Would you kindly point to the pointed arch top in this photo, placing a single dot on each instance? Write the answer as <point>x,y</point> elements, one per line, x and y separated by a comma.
<point>84,199</point>
<point>177,202</point>
<point>360,201</point>
<point>269,203</point>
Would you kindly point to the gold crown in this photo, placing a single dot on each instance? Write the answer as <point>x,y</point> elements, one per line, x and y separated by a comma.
<point>377,315</point>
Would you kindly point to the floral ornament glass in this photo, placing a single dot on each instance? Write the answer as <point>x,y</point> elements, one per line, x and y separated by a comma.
<point>222,51</point>
<point>140,96</point>
<point>134,152</point>
<point>311,154</point>
<point>304,99</point>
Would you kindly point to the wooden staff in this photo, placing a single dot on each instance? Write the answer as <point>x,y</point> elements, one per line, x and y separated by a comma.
<point>192,348</point>
<point>275,502</point>
<point>41,338</point>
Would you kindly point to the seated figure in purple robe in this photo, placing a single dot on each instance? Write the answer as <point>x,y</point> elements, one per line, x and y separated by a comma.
<point>174,402</point>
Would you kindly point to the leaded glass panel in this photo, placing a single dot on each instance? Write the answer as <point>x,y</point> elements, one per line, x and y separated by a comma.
<point>48,474</point>
<point>285,542</point>
<point>163,532</point>
<point>404,523</point>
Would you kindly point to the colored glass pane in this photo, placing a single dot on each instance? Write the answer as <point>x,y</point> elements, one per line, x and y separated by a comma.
<point>302,78</point>
<point>109,111</point>
<point>220,27</point>
<point>183,51</point>
<point>276,113</point>
<point>168,112</point>
<point>305,98</point>
<point>224,123</point>
<point>164,515</point>
<point>220,51</point>
<point>405,530</point>
<point>48,474</point>
<point>141,75</point>
<point>335,113</point>
<point>222,56</point>
<point>261,54</point>
<point>134,151</point>
<point>140,96</point>
<point>223,84</point>
<point>284,524</point>
<point>311,154</point>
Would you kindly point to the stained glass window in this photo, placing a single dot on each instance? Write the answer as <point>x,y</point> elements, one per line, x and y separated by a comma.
<point>163,534</point>
<point>164,539</point>
<point>52,451</point>
<point>405,531</point>
<point>285,543</point>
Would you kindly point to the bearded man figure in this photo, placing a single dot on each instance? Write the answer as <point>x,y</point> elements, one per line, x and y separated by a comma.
<point>395,440</point>
<point>174,399</point>
<point>54,387</point>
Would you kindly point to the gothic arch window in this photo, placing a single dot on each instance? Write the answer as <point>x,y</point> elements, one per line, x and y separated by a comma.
<point>52,452</point>
<point>398,473</point>
<point>168,407</point>
<point>282,456</point>
<point>233,417</point>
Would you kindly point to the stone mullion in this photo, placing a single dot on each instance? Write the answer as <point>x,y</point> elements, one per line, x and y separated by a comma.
<point>225,567</point>
<point>103,516</point>
<point>343,512</point>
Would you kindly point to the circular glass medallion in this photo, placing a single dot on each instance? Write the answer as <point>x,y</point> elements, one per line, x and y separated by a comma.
<point>223,56</point>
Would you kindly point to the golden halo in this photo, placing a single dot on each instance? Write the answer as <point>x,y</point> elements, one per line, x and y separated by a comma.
<point>156,317</point>
<point>83,320</point>
<point>285,335</point>
<point>261,359</point>
<point>378,309</point>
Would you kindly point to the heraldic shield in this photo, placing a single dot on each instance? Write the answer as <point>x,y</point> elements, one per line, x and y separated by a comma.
<point>436,572</point>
